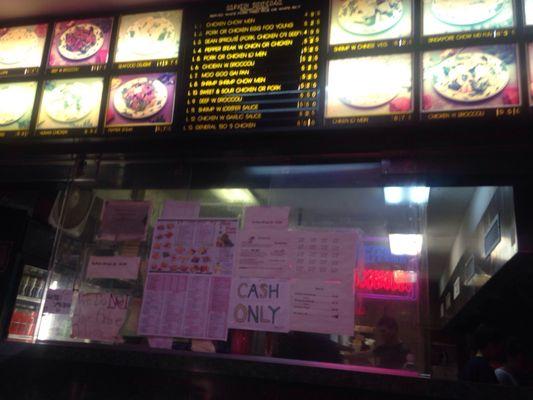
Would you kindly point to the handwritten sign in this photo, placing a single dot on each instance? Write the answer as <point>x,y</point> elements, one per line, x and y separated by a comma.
<point>99,316</point>
<point>259,305</point>
<point>266,217</point>
<point>124,220</point>
<point>58,301</point>
<point>126,268</point>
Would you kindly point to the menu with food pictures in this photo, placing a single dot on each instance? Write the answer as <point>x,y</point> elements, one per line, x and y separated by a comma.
<point>70,107</point>
<point>194,246</point>
<point>21,49</point>
<point>471,82</point>
<point>528,12</point>
<point>462,17</point>
<point>79,45</point>
<point>359,25</point>
<point>367,90</point>
<point>16,108</point>
<point>149,39</point>
<point>189,278</point>
<point>143,101</point>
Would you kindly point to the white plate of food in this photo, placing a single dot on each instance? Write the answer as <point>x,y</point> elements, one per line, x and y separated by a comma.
<point>152,36</point>
<point>69,102</point>
<point>466,12</point>
<point>16,44</point>
<point>80,41</point>
<point>366,82</point>
<point>140,98</point>
<point>470,77</point>
<point>369,17</point>
<point>11,111</point>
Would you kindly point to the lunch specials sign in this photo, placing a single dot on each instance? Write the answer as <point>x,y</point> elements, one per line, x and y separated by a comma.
<point>259,305</point>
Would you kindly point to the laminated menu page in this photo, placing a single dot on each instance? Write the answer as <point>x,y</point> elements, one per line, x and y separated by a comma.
<point>189,278</point>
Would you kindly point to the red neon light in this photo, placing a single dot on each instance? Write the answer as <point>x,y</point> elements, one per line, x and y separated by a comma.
<point>390,282</point>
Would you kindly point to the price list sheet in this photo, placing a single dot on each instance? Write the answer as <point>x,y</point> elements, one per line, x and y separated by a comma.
<point>255,65</point>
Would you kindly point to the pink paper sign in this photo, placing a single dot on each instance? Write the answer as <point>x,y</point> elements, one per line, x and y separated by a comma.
<point>124,220</point>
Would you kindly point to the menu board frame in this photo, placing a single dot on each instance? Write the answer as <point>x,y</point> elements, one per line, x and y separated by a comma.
<point>521,35</point>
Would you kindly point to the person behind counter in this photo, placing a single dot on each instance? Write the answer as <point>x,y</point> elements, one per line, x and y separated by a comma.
<point>511,372</point>
<point>391,353</point>
<point>487,348</point>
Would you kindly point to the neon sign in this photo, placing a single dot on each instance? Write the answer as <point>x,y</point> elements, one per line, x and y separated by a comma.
<point>387,284</point>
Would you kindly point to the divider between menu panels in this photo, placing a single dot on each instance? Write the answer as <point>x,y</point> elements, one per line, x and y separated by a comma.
<point>292,65</point>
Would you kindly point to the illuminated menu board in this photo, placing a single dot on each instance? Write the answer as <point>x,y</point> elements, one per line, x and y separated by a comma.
<point>453,20</point>
<point>359,25</point>
<point>16,106</point>
<point>149,40</point>
<point>255,65</point>
<point>141,103</point>
<point>80,45</point>
<point>21,49</point>
<point>70,107</point>
<point>528,12</point>
<point>471,82</point>
<point>370,89</point>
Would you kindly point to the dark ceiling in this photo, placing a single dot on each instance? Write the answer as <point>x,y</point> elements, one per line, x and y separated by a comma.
<point>11,9</point>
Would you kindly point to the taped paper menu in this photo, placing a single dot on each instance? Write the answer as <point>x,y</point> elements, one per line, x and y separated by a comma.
<point>188,285</point>
<point>259,305</point>
<point>322,306</point>
<point>99,316</point>
<point>58,301</point>
<point>186,306</point>
<point>309,254</point>
<point>264,253</point>
<point>124,220</point>
<point>126,268</point>
<point>266,217</point>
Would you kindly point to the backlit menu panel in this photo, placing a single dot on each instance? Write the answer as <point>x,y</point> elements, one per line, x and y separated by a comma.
<point>149,40</point>
<point>80,45</point>
<point>16,106</point>
<point>364,90</point>
<point>255,65</point>
<point>360,25</point>
<point>471,82</point>
<point>70,107</point>
<point>456,20</point>
<point>21,49</point>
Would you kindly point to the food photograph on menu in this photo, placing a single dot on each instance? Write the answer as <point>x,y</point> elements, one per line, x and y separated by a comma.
<point>81,42</point>
<point>354,21</point>
<point>528,12</point>
<point>70,104</point>
<point>16,105</point>
<point>482,77</point>
<point>22,46</point>
<point>141,99</point>
<point>453,16</point>
<point>370,86</point>
<point>149,36</point>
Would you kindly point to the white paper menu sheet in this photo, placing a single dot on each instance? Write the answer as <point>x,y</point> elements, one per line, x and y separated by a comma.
<point>322,307</point>
<point>186,306</point>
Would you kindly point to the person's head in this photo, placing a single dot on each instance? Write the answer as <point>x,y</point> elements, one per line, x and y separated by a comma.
<point>515,354</point>
<point>387,328</point>
<point>488,341</point>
